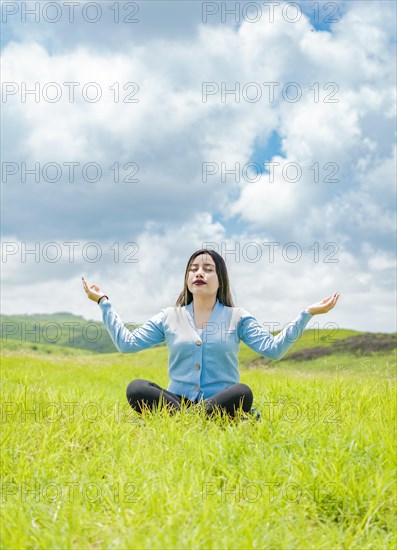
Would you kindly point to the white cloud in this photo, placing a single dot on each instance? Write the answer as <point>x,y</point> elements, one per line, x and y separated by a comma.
<point>171,132</point>
<point>272,281</point>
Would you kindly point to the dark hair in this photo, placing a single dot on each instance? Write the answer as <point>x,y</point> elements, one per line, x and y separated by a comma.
<point>223,294</point>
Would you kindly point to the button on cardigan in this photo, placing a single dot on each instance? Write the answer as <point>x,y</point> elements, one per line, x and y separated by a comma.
<point>202,363</point>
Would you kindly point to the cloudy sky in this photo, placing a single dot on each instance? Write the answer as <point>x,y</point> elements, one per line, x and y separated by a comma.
<point>135,133</point>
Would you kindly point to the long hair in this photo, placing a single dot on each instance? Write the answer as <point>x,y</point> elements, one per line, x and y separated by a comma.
<point>223,294</point>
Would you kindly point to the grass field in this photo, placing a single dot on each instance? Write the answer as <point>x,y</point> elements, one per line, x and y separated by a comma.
<point>78,471</point>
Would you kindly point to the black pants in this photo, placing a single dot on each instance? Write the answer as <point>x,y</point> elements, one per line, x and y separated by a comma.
<point>143,394</point>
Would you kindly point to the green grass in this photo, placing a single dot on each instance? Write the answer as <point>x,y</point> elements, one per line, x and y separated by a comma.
<point>317,471</point>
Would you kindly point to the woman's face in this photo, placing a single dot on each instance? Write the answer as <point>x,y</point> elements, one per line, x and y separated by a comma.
<point>202,278</point>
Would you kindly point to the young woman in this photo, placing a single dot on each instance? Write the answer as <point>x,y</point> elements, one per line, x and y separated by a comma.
<point>202,332</point>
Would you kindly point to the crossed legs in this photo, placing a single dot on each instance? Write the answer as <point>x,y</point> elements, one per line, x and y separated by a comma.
<point>143,394</point>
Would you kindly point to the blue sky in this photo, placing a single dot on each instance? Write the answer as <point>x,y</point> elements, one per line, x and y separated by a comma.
<point>166,117</point>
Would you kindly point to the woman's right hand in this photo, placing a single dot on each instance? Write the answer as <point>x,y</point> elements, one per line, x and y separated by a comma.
<point>93,291</point>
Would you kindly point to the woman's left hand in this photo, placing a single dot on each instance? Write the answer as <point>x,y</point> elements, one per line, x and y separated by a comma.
<point>325,305</point>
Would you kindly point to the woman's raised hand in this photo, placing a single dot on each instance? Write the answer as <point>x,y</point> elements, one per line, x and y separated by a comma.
<point>325,305</point>
<point>93,291</point>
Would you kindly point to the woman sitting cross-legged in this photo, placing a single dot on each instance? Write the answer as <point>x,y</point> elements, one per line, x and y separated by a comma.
<point>203,333</point>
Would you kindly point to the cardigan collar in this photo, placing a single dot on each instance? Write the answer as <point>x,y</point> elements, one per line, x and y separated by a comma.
<point>190,312</point>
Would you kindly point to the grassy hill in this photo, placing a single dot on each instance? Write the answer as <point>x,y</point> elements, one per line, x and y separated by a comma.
<point>67,334</point>
<point>80,471</point>
<point>58,330</point>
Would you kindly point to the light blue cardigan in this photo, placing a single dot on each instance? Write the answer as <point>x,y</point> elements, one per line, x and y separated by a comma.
<point>201,365</point>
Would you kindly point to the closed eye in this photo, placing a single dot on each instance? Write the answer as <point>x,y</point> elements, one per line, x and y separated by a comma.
<point>194,268</point>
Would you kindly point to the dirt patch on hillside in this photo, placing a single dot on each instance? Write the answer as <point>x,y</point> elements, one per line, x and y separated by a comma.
<point>368,343</point>
<point>363,344</point>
